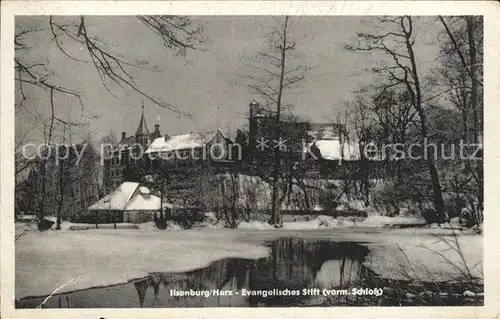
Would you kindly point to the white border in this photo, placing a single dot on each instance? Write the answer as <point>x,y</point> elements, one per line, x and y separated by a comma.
<point>491,12</point>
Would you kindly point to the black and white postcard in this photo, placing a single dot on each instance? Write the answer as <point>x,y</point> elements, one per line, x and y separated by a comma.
<point>249,159</point>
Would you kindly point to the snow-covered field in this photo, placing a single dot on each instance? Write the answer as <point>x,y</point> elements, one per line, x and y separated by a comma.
<point>72,260</point>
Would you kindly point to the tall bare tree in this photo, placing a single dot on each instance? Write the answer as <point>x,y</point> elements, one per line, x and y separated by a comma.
<point>279,71</point>
<point>397,42</point>
<point>464,49</point>
<point>461,74</point>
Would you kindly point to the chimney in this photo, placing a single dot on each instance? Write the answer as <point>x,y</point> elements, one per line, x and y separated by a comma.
<point>157,130</point>
<point>254,108</point>
<point>166,137</point>
<point>124,135</point>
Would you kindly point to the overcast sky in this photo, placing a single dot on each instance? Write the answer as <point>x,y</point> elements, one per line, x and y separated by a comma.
<point>203,83</point>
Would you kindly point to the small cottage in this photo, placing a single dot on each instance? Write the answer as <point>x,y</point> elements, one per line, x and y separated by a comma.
<point>128,203</point>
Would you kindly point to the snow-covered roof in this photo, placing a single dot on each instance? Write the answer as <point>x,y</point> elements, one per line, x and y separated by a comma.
<point>140,202</point>
<point>131,196</point>
<point>334,150</point>
<point>117,199</point>
<point>180,142</point>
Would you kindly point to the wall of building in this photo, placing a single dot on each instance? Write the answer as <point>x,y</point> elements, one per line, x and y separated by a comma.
<point>100,216</point>
<point>137,217</point>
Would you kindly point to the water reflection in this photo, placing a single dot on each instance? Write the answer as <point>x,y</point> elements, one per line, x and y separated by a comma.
<point>293,264</point>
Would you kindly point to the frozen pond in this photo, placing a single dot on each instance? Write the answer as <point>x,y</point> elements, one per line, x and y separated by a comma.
<point>298,272</point>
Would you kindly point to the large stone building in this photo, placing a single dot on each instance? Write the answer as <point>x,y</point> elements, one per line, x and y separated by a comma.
<point>213,145</point>
<point>326,142</point>
<point>298,139</point>
<point>128,150</point>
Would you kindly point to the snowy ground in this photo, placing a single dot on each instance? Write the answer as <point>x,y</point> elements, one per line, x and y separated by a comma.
<point>46,261</point>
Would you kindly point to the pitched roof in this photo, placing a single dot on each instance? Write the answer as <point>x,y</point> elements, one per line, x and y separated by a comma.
<point>117,199</point>
<point>130,196</point>
<point>130,141</point>
<point>143,128</point>
<point>144,202</point>
<point>184,141</point>
<point>127,141</point>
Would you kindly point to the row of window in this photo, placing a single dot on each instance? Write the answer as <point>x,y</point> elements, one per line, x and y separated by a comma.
<point>124,160</point>
<point>183,154</point>
<point>180,154</point>
<point>115,172</point>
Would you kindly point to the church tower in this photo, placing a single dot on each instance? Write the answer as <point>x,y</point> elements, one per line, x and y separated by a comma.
<point>142,133</point>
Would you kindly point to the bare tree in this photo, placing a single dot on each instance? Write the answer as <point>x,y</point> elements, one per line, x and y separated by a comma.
<point>178,33</point>
<point>43,164</point>
<point>464,48</point>
<point>35,75</point>
<point>278,73</point>
<point>361,119</point>
<point>399,45</point>
<point>185,183</point>
<point>461,74</point>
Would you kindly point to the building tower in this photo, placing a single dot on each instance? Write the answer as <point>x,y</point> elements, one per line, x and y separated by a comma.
<point>142,134</point>
<point>253,126</point>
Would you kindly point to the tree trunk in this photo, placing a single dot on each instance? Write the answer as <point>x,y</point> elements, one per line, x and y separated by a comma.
<point>41,203</point>
<point>61,195</point>
<point>161,220</point>
<point>417,99</point>
<point>475,105</point>
<point>275,211</point>
<point>98,197</point>
<point>234,198</point>
<point>473,74</point>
